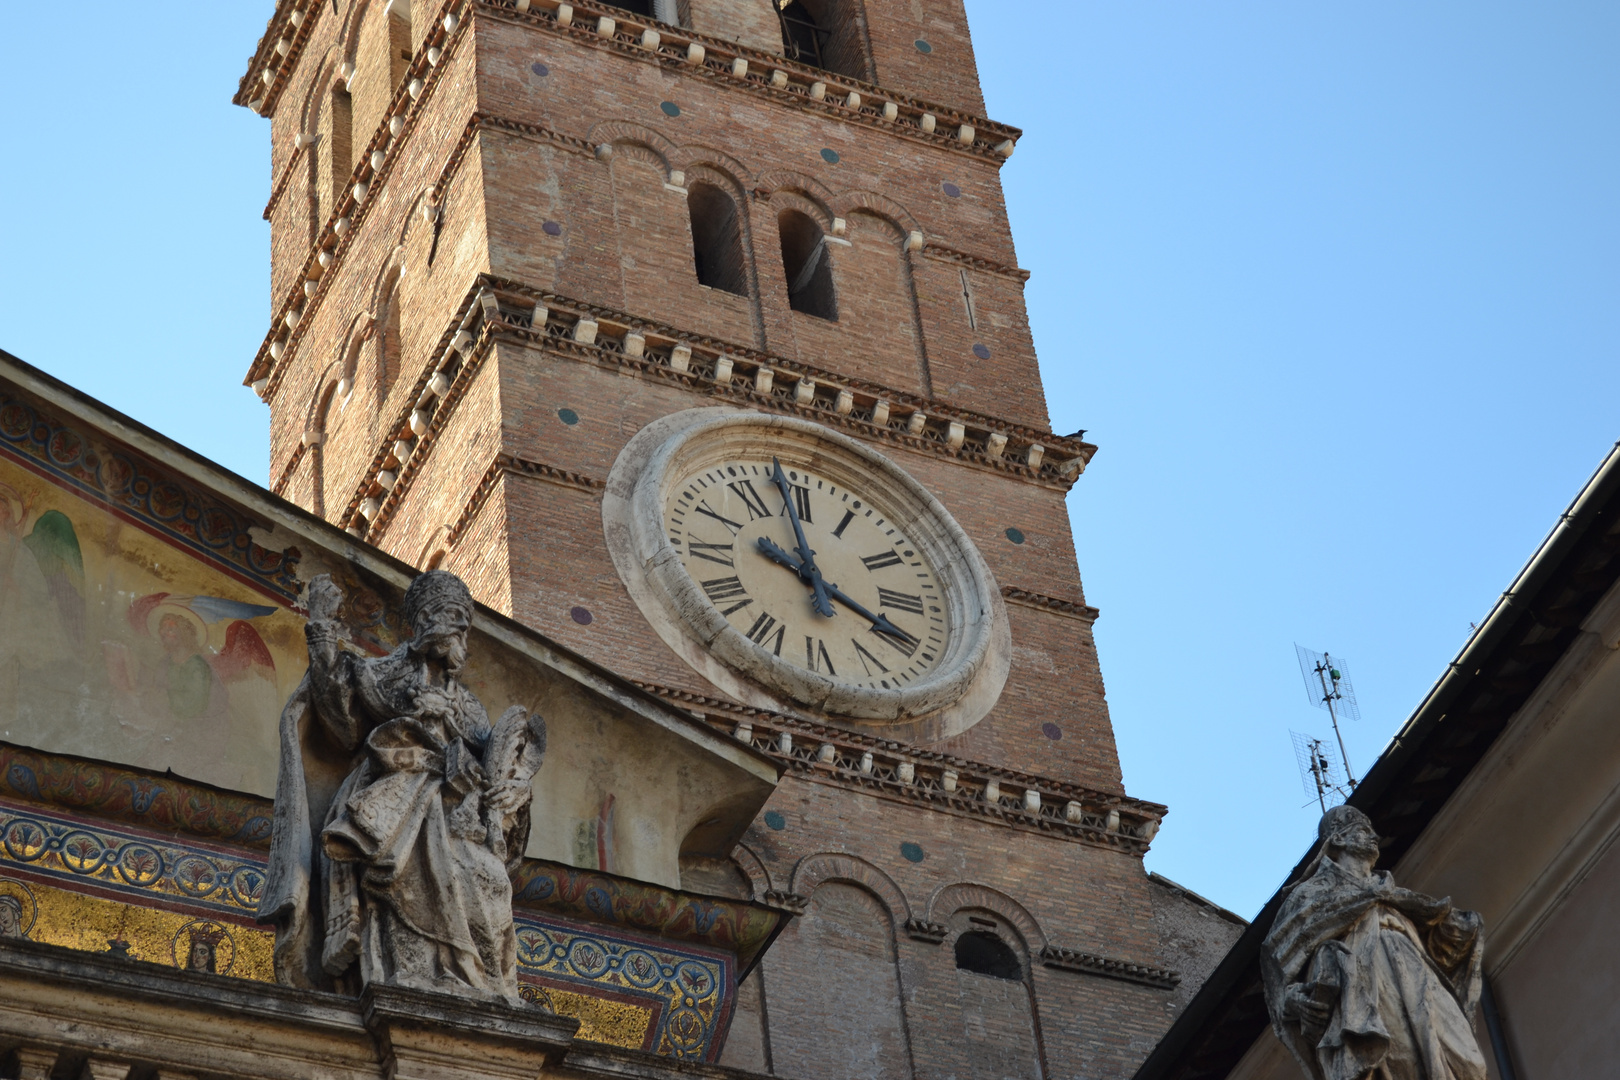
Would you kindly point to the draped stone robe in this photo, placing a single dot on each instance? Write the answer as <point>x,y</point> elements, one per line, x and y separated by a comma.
<point>380,870</point>
<point>1404,993</point>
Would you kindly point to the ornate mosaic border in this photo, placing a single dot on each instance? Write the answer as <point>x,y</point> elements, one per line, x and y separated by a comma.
<point>143,493</point>
<point>662,978</point>
<point>677,999</point>
<point>126,863</point>
<point>740,928</point>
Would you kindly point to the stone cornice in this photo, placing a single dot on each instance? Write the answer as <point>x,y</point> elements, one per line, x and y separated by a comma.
<point>902,773</point>
<point>771,75</point>
<point>1084,612</point>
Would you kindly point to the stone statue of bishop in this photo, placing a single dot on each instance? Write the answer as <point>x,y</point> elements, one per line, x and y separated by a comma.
<point>1365,980</point>
<point>399,811</point>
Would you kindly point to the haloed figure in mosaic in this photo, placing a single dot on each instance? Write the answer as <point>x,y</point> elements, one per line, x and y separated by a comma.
<point>1365,979</point>
<point>11,917</point>
<point>399,810</point>
<point>204,952</point>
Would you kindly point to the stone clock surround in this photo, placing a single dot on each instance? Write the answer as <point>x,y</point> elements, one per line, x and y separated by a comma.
<point>961,689</point>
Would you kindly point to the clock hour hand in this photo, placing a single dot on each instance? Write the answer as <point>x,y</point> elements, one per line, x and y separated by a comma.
<point>879,622</point>
<point>807,570</point>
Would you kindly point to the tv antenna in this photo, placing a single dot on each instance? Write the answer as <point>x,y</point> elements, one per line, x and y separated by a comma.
<point>1324,777</point>
<point>1327,686</point>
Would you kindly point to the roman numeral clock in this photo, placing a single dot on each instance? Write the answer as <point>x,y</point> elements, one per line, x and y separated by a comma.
<point>800,570</point>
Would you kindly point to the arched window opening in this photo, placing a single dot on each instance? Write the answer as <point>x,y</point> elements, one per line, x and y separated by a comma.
<point>984,953</point>
<point>824,33</point>
<point>717,251</point>
<point>808,266</point>
<point>636,7</point>
<point>389,358</point>
<point>316,436</point>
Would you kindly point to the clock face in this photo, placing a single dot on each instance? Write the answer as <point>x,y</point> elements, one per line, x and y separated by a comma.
<point>734,532</point>
<point>723,555</point>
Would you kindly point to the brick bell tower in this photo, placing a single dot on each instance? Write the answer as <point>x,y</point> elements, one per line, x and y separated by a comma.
<point>508,235</point>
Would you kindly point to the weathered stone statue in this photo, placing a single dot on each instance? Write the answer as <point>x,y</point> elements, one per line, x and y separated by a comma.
<point>1364,979</point>
<point>399,811</point>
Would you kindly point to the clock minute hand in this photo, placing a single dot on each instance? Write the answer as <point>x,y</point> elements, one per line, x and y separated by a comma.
<point>808,570</point>
<point>880,623</point>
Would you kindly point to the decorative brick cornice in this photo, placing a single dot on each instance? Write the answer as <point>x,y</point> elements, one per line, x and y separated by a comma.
<point>600,335</point>
<point>989,266</point>
<point>277,54</point>
<point>1083,612</point>
<point>942,782</point>
<point>797,388</point>
<point>1109,968</point>
<point>769,75</point>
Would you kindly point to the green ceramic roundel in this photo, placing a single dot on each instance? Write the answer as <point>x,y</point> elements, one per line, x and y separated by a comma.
<point>568,416</point>
<point>911,852</point>
<point>775,820</point>
<point>1015,535</point>
<point>830,156</point>
<point>670,108</point>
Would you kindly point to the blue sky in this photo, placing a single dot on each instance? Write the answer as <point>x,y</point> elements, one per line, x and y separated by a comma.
<point>1332,287</point>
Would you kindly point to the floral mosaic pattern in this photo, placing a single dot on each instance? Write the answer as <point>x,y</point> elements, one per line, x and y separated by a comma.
<point>126,482</point>
<point>71,853</point>
<point>687,988</point>
<point>739,928</point>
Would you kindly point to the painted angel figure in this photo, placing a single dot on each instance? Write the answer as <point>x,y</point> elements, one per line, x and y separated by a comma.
<point>1365,979</point>
<point>400,810</point>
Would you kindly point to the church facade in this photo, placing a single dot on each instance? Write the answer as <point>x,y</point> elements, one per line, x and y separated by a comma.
<point>690,335</point>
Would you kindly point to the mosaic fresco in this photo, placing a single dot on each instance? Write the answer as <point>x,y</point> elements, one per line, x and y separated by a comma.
<point>741,929</point>
<point>107,886</point>
<point>118,641</point>
<point>125,482</point>
<point>669,1000</point>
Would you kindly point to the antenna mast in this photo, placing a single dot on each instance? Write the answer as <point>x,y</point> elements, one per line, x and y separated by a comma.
<point>1327,685</point>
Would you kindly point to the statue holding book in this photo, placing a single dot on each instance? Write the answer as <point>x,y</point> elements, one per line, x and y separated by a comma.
<point>1366,979</point>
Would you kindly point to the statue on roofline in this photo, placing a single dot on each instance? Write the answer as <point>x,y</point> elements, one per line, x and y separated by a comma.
<point>1365,980</point>
<point>400,811</point>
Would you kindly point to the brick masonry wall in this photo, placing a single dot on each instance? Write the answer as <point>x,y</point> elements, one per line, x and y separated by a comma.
<point>507,490</point>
